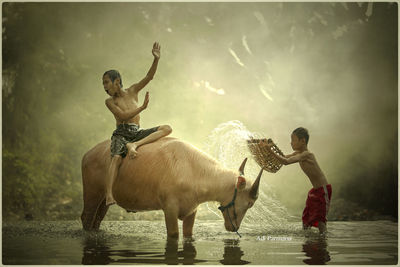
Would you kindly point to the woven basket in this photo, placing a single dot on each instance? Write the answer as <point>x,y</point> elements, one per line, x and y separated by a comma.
<point>263,157</point>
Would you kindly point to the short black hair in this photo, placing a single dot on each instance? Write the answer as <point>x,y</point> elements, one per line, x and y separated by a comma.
<point>302,133</point>
<point>113,74</point>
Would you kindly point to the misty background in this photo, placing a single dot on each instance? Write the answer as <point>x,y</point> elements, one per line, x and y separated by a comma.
<point>329,67</point>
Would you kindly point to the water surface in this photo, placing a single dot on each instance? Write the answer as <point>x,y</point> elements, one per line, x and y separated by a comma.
<point>144,242</point>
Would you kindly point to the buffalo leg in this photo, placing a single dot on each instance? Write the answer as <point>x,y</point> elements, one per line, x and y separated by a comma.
<point>188,223</point>
<point>171,221</point>
<point>101,212</point>
<point>91,207</point>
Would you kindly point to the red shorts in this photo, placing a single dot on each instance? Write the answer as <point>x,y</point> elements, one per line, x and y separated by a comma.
<point>317,205</point>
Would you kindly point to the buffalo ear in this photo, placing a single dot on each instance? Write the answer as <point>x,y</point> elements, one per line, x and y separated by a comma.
<point>254,188</point>
<point>241,183</point>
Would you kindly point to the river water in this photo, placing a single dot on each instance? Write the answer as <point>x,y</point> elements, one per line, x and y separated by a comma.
<point>144,242</point>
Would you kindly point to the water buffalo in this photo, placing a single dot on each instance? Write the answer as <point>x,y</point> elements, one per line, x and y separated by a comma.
<point>169,175</point>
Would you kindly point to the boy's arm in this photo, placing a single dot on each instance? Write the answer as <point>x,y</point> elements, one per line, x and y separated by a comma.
<point>127,114</point>
<point>291,155</point>
<point>264,143</point>
<point>152,71</point>
<point>288,159</point>
<point>291,159</point>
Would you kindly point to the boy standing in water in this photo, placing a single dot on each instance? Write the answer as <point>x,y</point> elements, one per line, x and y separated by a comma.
<point>124,106</point>
<point>318,200</point>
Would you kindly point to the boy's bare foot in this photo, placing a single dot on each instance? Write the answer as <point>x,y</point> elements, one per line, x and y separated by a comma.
<point>110,201</point>
<point>132,153</point>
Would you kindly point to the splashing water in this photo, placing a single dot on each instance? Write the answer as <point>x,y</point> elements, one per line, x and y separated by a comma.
<point>228,144</point>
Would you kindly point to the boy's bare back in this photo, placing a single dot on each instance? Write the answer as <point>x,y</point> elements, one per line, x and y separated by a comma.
<point>309,165</point>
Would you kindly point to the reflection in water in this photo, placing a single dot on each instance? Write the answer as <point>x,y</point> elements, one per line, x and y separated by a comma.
<point>316,249</point>
<point>185,256</point>
<point>232,253</point>
<point>96,251</point>
<point>50,243</point>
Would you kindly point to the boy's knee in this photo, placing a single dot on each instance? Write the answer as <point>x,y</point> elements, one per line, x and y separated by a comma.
<point>166,129</point>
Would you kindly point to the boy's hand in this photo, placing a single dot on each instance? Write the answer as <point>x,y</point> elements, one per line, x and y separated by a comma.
<point>266,143</point>
<point>146,101</point>
<point>156,50</point>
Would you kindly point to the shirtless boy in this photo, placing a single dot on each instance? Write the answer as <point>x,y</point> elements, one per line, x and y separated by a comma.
<point>318,200</point>
<point>123,103</point>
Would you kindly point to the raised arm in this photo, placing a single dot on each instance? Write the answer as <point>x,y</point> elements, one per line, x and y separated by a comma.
<point>127,114</point>
<point>152,71</point>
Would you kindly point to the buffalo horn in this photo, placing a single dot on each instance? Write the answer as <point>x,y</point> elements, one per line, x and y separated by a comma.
<point>241,169</point>
<point>255,186</point>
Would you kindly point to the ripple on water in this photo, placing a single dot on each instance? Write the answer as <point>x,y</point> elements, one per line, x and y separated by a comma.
<point>145,242</point>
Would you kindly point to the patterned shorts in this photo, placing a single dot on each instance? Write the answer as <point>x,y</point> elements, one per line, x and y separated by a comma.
<point>127,133</point>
